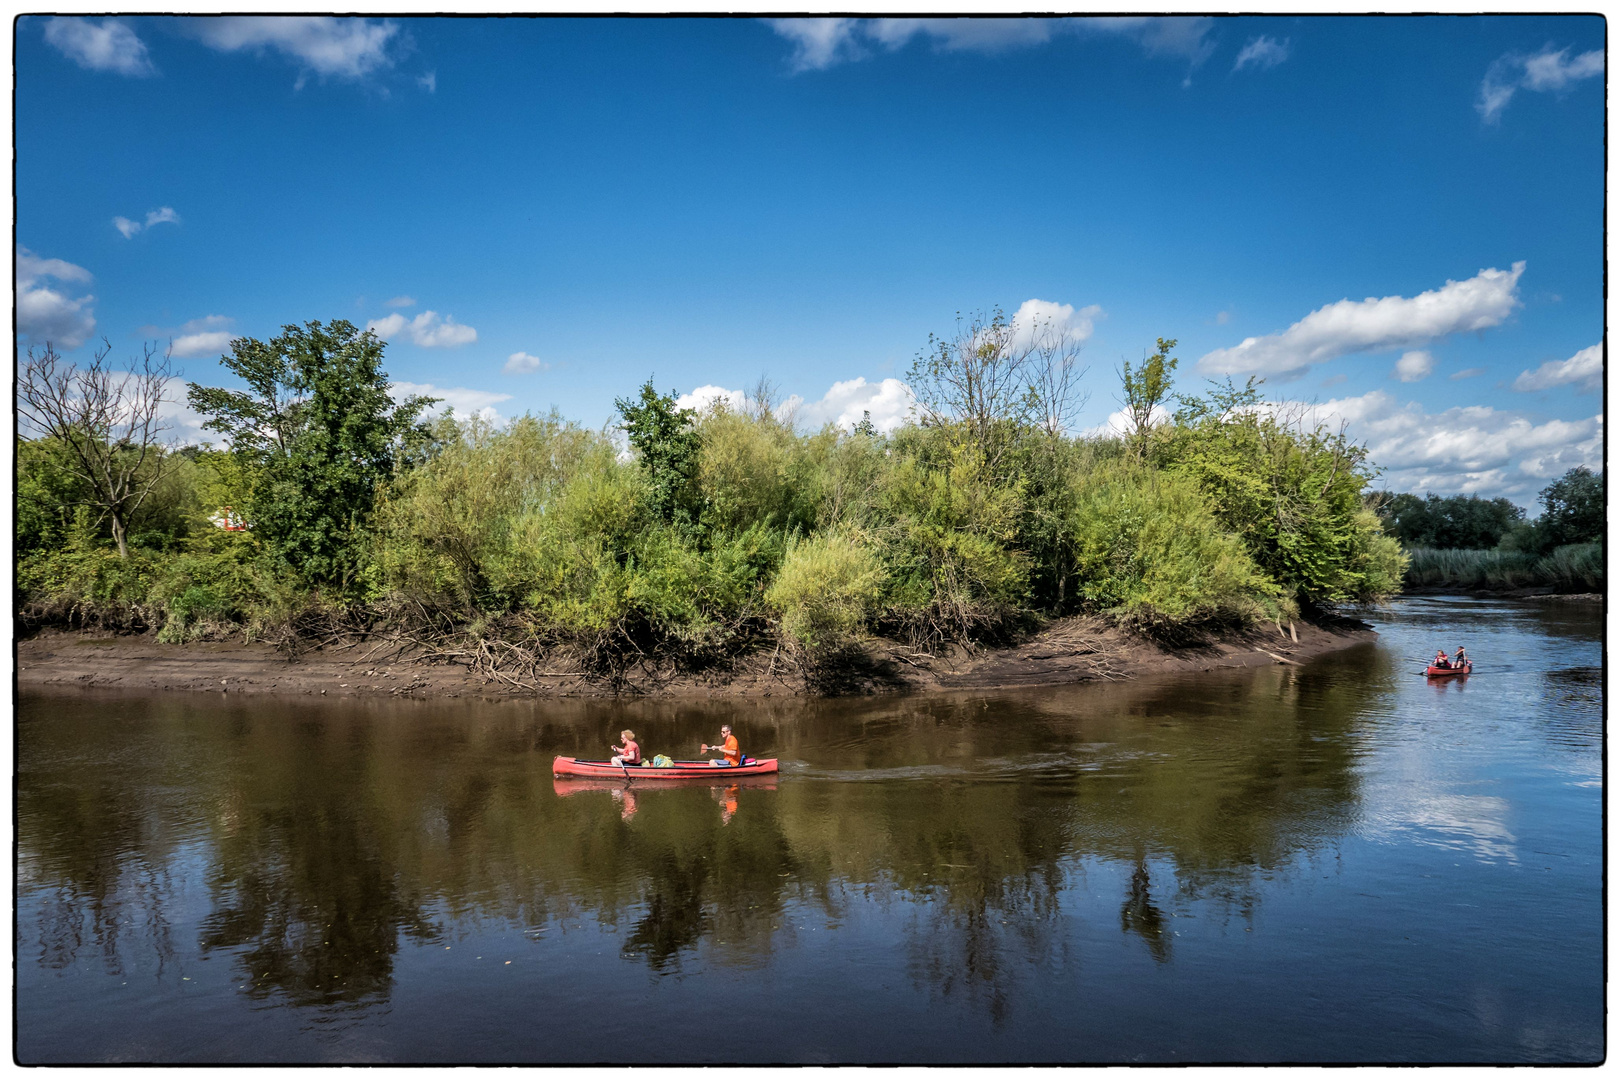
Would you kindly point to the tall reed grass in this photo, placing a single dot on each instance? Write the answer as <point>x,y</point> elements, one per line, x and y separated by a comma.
<point>1572,568</point>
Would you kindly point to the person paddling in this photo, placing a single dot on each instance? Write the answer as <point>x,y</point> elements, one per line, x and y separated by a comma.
<point>630,752</point>
<point>1440,660</point>
<point>728,747</point>
<point>1461,658</point>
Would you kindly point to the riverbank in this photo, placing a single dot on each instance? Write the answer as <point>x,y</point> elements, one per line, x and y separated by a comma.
<point>1069,651</point>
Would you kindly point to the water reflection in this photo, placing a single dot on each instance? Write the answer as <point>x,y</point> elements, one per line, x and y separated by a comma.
<point>998,846</point>
<point>331,837</point>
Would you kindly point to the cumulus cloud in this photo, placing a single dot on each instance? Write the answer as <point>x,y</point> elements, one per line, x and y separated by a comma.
<point>1414,366</point>
<point>889,402</point>
<point>161,216</point>
<point>427,330</point>
<point>820,43</point>
<point>104,46</point>
<point>1262,52</point>
<point>461,401</point>
<point>704,397</point>
<point>49,314</point>
<point>1373,325</point>
<point>521,363</point>
<point>1119,423</point>
<point>1584,370</point>
<point>1463,450</point>
<point>1035,317</point>
<point>202,337</point>
<point>1546,71</point>
<point>344,48</point>
<point>844,405</point>
<point>401,301</point>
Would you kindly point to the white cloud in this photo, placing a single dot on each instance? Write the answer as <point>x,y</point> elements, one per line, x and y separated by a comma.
<point>401,301</point>
<point>164,215</point>
<point>818,43</point>
<point>1584,369</point>
<point>1119,423</point>
<point>345,48</point>
<point>843,405</point>
<point>704,398</point>
<point>821,43</point>
<point>464,403</point>
<point>1040,316</point>
<point>1373,325</point>
<point>1222,318</point>
<point>1262,52</point>
<point>202,337</point>
<point>1414,366</point>
<point>1545,71</point>
<point>951,35</point>
<point>1466,373</point>
<point>520,363</point>
<point>429,82</point>
<point>107,46</point>
<point>427,330</point>
<point>1463,450</point>
<point>45,314</point>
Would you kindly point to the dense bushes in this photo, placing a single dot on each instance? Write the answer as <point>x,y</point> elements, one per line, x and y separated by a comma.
<point>711,533</point>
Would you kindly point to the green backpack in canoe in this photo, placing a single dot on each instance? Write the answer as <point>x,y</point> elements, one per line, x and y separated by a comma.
<point>662,761</point>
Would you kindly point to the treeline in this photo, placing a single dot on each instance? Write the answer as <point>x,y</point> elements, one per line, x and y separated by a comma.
<point>690,538</point>
<point>1466,542</point>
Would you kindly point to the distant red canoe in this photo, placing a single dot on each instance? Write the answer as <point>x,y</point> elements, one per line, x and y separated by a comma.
<point>681,770</point>
<point>1436,672</point>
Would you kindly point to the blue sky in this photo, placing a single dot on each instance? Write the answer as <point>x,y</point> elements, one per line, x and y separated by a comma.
<point>1404,214</point>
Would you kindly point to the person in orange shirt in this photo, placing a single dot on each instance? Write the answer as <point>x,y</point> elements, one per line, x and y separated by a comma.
<point>728,747</point>
<point>630,752</point>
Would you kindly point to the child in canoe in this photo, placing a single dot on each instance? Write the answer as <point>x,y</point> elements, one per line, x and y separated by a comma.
<point>630,752</point>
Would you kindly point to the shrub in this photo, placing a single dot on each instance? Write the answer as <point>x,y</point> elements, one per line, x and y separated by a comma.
<point>828,589</point>
<point>1151,554</point>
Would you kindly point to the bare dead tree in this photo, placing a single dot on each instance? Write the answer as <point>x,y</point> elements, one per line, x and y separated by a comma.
<point>1055,374</point>
<point>995,374</point>
<point>109,421</point>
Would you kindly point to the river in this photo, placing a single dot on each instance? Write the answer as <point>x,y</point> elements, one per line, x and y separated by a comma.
<point>1337,862</point>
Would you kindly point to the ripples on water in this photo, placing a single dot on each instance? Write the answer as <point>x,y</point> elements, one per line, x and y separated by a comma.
<point>1338,862</point>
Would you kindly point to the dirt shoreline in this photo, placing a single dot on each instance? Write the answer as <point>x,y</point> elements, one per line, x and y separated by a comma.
<point>1070,651</point>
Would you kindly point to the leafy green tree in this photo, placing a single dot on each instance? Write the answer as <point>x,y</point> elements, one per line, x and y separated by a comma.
<point>1146,389</point>
<point>667,444</point>
<point>1293,493</point>
<point>320,431</point>
<point>1455,521</point>
<point>1572,508</point>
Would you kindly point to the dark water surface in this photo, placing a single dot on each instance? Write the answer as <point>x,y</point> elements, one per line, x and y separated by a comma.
<point>1336,862</point>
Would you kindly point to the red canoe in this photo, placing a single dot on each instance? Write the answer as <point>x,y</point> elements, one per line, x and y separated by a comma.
<point>1435,672</point>
<point>681,770</point>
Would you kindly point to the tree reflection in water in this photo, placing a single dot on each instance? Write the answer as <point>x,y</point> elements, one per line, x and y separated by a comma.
<point>332,836</point>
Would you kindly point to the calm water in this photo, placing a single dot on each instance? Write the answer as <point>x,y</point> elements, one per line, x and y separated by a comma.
<point>1335,862</point>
